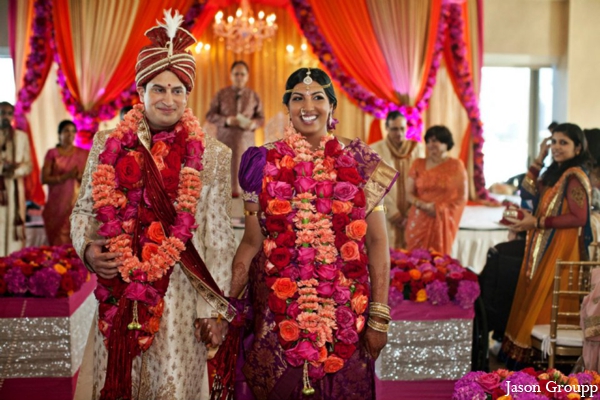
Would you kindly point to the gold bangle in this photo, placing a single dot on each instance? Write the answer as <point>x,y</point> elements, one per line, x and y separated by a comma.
<point>376,304</point>
<point>378,326</point>
<point>379,309</point>
<point>248,213</point>
<point>380,207</point>
<point>387,317</point>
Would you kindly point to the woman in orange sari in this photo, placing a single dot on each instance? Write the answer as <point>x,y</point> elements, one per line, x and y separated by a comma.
<point>62,172</point>
<point>558,229</point>
<point>437,189</point>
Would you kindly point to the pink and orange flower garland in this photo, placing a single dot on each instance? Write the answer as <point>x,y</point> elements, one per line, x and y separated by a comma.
<point>317,265</point>
<point>121,202</point>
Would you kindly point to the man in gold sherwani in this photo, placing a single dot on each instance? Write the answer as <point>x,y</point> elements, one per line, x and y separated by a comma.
<point>15,164</point>
<point>399,153</point>
<point>190,316</point>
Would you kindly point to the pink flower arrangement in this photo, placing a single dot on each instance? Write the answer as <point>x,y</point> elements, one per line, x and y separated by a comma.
<point>428,276</point>
<point>527,384</point>
<point>45,271</point>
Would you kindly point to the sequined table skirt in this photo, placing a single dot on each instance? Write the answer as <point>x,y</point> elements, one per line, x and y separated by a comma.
<point>42,343</point>
<point>428,349</point>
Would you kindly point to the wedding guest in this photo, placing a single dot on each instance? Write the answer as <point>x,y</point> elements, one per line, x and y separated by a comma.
<point>399,152</point>
<point>15,165</point>
<point>437,189</point>
<point>62,172</point>
<point>237,112</point>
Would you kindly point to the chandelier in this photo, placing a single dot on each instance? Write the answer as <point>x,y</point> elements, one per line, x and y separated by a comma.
<point>302,58</point>
<point>244,33</point>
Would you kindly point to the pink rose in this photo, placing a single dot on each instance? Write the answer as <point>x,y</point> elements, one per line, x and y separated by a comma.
<point>134,196</point>
<point>195,148</point>
<point>358,213</point>
<point>106,213</point>
<point>345,317</point>
<point>112,148</point>
<point>304,168</point>
<point>489,382</point>
<point>348,335</point>
<point>284,149</point>
<point>142,292</point>
<point>307,271</point>
<point>324,189</point>
<point>186,219</point>
<point>345,160</point>
<point>304,184</point>
<point>341,295</point>
<point>181,232</point>
<point>110,229</point>
<point>167,137</point>
<point>109,314</point>
<point>306,255</point>
<point>271,169</point>
<point>344,191</point>
<point>325,289</point>
<point>293,310</point>
<point>129,139</point>
<point>324,205</point>
<point>129,212</point>
<point>280,190</point>
<point>140,276</point>
<point>304,351</point>
<point>290,272</point>
<point>102,293</point>
<point>194,162</point>
<point>326,271</point>
<point>316,372</point>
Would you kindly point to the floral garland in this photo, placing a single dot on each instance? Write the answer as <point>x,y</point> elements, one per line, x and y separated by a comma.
<point>121,203</point>
<point>37,61</point>
<point>527,384</point>
<point>464,80</point>
<point>316,262</point>
<point>428,276</point>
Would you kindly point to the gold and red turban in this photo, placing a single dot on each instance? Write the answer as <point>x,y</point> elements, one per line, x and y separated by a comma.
<point>167,53</point>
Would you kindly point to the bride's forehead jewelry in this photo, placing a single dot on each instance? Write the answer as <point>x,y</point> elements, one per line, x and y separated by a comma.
<point>308,80</point>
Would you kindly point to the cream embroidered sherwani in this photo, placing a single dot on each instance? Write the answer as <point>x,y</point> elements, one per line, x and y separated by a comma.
<point>395,201</point>
<point>173,367</point>
<point>15,151</point>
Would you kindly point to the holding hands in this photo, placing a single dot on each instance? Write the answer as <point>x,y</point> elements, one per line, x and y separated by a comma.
<point>211,331</point>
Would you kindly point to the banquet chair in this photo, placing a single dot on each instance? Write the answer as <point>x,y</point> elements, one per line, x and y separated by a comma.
<point>563,342</point>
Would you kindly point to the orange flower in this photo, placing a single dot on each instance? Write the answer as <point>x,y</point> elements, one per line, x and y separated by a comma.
<point>341,207</point>
<point>284,288</point>
<point>279,207</point>
<point>148,251</point>
<point>322,354</point>
<point>360,323</point>
<point>158,309</point>
<point>356,229</point>
<point>129,225</point>
<point>154,324</point>
<point>160,149</point>
<point>333,364</point>
<point>349,251</point>
<point>359,303</point>
<point>120,198</point>
<point>415,274</point>
<point>328,163</point>
<point>287,162</point>
<point>421,296</point>
<point>289,330</point>
<point>60,269</point>
<point>156,232</point>
<point>145,342</point>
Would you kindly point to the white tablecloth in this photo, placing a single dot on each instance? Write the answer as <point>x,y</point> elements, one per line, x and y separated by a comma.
<point>478,232</point>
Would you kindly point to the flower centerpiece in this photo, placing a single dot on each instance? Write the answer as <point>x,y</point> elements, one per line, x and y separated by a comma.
<point>428,276</point>
<point>51,272</point>
<point>527,384</point>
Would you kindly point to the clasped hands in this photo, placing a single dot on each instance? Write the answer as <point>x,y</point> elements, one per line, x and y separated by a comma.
<point>210,331</point>
<point>528,222</point>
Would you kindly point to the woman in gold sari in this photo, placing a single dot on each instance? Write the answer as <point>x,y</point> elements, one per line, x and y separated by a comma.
<point>559,228</point>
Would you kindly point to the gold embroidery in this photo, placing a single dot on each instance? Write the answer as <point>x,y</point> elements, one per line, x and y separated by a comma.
<point>529,184</point>
<point>376,187</point>
<point>578,195</point>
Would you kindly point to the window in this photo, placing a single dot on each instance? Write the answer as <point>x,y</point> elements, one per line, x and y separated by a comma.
<point>516,108</point>
<point>7,80</point>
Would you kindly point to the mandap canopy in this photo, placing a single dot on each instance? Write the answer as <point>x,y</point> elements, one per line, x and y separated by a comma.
<point>384,54</point>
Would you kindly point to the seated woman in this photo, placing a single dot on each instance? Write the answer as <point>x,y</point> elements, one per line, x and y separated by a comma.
<point>62,172</point>
<point>318,285</point>
<point>558,229</point>
<point>437,189</point>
